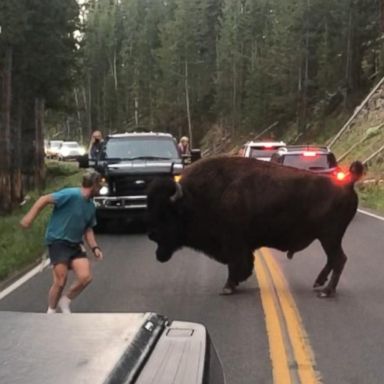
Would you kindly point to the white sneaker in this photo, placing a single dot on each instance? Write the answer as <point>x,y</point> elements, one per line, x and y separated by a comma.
<point>50,310</point>
<point>63,304</point>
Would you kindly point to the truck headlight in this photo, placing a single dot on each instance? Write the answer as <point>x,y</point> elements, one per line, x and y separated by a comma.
<point>104,190</point>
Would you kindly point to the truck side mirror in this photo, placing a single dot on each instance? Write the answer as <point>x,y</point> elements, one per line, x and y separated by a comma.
<point>195,155</point>
<point>192,157</point>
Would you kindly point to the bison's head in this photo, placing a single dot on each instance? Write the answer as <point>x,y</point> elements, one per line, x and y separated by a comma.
<point>165,217</point>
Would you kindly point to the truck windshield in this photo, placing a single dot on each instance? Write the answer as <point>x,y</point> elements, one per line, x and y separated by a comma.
<point>263,151</point>
<point>141,148</point>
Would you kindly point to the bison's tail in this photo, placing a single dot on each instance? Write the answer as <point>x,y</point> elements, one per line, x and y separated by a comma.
<point>356,170</point>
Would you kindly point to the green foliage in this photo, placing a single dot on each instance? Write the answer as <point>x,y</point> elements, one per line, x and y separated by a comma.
<point>244,64</point>
<point>40,33</point>
<point>58,168</point>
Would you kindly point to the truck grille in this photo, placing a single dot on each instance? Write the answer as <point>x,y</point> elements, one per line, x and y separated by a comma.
<point>131,184</point>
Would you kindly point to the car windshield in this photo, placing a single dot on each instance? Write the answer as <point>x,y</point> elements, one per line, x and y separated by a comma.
<point>141,148</point>
<point>71,145</point>
<point>314,162</point>
<point>55,144</point>
<point>263,151</point>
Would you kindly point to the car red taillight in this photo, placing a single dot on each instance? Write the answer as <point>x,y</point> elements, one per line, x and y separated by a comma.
<point>340,175</point>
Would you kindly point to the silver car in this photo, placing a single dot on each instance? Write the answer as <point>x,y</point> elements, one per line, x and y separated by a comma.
<point>261,150</point>
<point>70,150</point>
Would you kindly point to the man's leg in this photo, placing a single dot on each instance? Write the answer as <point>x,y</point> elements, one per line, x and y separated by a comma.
<point>81,268</point>
<point>59,273</point>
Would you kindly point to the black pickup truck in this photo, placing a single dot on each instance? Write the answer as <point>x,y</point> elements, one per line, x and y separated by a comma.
<point>128,163</point>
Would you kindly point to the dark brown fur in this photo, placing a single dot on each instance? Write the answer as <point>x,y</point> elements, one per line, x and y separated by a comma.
<point>232,206</point>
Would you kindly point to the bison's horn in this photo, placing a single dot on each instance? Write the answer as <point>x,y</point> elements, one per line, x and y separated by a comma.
<point>178,194</point>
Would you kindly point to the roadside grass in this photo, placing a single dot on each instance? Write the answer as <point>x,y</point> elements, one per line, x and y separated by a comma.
<point>22,248</point>
<point>372,197</point>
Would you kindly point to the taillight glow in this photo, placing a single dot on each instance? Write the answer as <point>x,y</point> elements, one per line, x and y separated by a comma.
<point>340,175</point>
<point>309,154</point>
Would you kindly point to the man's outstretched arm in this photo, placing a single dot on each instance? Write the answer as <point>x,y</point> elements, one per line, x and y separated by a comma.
<point>40,203</point>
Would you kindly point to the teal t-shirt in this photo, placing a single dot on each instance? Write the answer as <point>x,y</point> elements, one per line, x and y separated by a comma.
<point>72,215</point>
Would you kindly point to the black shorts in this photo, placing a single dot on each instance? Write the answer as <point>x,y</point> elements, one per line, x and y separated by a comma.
<point>62,251</point>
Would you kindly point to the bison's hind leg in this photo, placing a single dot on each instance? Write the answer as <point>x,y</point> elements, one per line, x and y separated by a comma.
<point>336,260</point>
<point>323,275</point>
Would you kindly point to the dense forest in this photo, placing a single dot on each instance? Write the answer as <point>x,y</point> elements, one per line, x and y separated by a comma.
<point>182,66</point>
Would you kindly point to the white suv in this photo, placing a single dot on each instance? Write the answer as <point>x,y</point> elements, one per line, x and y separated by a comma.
<point>261,150</point>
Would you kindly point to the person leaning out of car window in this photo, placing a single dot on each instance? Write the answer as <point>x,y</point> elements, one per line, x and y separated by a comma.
<point>95,145</point>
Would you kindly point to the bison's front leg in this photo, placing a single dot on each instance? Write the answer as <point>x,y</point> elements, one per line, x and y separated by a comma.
<point>229,287</point>
<point>237,272</point>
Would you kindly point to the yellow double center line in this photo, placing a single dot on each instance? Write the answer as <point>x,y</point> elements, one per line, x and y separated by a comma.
<point>291,354</point>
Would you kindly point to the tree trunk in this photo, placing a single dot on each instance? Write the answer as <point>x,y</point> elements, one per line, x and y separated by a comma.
<point>349,52</point>
<point>5,134</point>
<point>17,182</point>
<point>353,54</point>
<point>382,16</point>
<point>115,70</point>
<point>234,96</point>
<point>28,138</point>
<point>79,122</point>
<point>186,85</point>
<point>39,144</point>
<point>89,103</point>
<point>136,112</point>
<point>304,78</point>
<point>87,108</point>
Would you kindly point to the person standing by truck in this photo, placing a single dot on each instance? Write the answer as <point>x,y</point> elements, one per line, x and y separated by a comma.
<point>71,222</point>
<point>183,146</point>
<point>95,145</point>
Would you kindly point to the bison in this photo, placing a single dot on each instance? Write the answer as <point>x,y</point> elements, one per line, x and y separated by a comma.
<point>227,207</point>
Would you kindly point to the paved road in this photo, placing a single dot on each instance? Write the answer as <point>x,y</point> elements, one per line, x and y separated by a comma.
<point>345,334</point>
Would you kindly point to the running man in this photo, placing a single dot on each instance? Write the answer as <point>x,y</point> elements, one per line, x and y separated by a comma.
<point>72,220</point>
